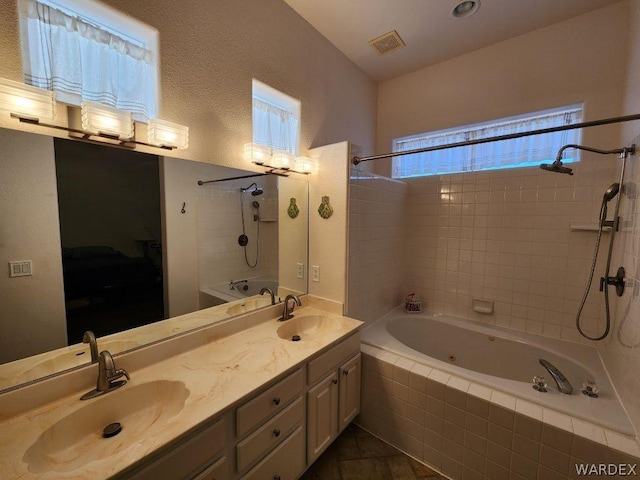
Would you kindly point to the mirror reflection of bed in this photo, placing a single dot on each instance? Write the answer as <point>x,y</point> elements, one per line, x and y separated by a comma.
<point>110,227</point>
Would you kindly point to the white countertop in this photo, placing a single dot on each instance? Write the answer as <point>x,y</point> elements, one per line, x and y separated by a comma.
<point>217,375</point>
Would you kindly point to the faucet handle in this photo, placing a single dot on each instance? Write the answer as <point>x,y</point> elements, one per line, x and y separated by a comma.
<point>539,384</point>
<point>590,389</point>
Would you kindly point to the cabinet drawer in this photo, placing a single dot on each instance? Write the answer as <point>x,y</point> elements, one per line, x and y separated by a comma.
<point>187,457</point>
<point>329,360</point>
<point>269,435</point>
<point>217,471</point>
<point>269,402</point>
<point>286,462</point>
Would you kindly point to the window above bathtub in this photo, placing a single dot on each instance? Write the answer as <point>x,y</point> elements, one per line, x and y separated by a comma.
<point>84,50</point>
<point>519,152</point>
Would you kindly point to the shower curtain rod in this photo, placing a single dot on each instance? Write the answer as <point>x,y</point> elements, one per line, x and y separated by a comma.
<point>606,121</point>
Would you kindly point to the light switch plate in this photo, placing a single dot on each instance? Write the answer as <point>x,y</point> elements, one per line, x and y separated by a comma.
<point>315,273</point>
<point>20,268</point>
<point>300,270</point>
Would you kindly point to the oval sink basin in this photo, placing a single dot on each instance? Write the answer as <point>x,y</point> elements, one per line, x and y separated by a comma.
<point>308,327</point>
<point>77,439</point>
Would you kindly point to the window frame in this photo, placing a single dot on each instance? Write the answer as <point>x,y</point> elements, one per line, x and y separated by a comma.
<point>107,18</point>
<point>268,94</point>
<point>469,128</point>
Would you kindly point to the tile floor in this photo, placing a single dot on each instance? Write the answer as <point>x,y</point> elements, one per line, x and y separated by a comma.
<point>358,455</point>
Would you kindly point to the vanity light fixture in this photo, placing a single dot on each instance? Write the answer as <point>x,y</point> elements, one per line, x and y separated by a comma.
<point>167,134</point>
<point>103,120</point>
<point>277,162</point>
<point>256,153</point>
<point>305,165</point>
<point>26,101</point>
<point>283,160</point>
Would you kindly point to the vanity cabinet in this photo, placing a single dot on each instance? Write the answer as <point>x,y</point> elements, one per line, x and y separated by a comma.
<point>334,401</point>
<point>276,433</point>
<point>266,425</point>
<point>198,457</point>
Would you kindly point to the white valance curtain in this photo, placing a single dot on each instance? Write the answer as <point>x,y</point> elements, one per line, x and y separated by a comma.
<point>524,151</point>
<point>80,61</point>
<point>274,126</point>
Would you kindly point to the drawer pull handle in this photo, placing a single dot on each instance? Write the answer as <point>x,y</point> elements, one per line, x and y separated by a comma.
<point>334,381</point>
<point>276,400</point>
<point>345,372</point>
<point>276,432</point>
<point>276,477</point>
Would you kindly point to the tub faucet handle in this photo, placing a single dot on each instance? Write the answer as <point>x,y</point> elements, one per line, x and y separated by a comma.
<point>539,384</point>
<point>590,389</point>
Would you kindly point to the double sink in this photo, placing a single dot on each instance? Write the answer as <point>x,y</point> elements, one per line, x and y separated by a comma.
<point>111,423</point>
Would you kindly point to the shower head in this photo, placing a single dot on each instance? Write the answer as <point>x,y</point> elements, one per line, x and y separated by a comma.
<point>611,192</point>
<point>556,167</point>
<point>256,189</point>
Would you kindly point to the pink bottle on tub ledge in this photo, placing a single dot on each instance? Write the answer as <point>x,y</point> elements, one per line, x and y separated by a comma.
<point>412,303</point>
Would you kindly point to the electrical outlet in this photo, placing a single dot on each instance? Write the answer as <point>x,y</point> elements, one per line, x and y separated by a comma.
<point>315,273</point>
<point>22,268</point>
<point>300,270</point>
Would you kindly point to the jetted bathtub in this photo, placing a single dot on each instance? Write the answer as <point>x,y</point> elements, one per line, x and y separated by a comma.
<point>503,359</point>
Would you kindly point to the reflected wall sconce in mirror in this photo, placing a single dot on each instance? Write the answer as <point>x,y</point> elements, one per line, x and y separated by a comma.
<point>277,162</point>
<point>163,133</point>
<point>100,119</point>
<point>25,101</point>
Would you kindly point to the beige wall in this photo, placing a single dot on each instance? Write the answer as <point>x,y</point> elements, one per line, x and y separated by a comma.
<point>210,51</point>
<point>579,60</point>
<point>33,317</point>
<point>328,237</point>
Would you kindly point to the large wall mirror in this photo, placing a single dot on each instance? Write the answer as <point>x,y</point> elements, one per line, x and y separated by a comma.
<point>120,243</point>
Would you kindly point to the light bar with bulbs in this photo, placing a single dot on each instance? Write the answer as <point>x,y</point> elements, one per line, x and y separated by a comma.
<point>278,162</point>
<point>100,119</point>
<point>25,101</point>
<point>166,134</point>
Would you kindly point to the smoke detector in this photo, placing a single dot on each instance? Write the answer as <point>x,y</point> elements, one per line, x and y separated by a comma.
<point>387,43</point>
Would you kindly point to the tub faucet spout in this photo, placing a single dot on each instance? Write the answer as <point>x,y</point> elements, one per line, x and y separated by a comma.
<point>561,381</point>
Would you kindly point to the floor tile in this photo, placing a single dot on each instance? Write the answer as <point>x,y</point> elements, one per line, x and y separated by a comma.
<point>400,468</point>
<point>365,469</point>
<point>358,455</point>
<point>370,446</point>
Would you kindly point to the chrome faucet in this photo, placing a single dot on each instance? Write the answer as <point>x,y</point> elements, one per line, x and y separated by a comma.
<point>561,381</point>
<point>90,338</point>
<point>286,311</point>
<point>270,292</point>
<point>108,376</point>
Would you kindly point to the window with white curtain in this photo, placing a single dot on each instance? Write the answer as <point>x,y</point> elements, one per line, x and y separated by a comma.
<point>84,50</point>
<point>276,119</point>
<point>520,152</point>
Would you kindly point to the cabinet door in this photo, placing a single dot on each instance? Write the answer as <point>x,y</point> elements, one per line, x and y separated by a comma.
<point>349,391</point>
<point>322,416</point>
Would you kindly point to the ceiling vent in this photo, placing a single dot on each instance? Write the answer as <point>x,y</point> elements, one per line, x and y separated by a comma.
<point>387,43</point>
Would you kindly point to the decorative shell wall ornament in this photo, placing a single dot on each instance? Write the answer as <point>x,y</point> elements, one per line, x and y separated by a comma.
<point>293,209</point>
<point>325,209</point>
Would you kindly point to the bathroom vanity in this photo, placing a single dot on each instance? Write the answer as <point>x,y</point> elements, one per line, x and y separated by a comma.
<point>235,400</point>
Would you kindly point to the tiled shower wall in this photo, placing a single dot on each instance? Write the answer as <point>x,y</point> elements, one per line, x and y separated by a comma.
<point>506,236</point>
<point>376,207</point>
<point>220,257</point>
<point>621,350</point>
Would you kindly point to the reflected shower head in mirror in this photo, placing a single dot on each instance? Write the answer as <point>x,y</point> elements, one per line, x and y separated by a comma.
<point>256,189</point>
